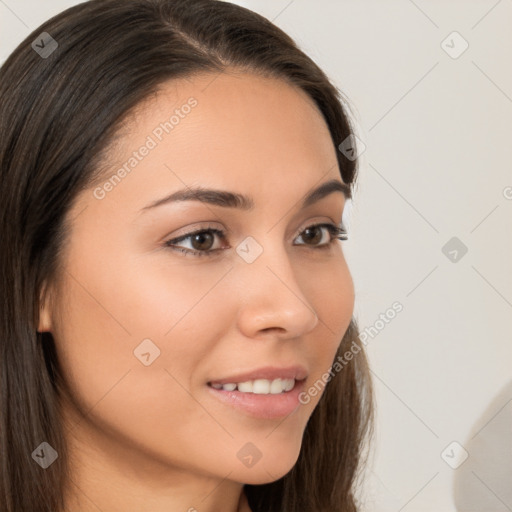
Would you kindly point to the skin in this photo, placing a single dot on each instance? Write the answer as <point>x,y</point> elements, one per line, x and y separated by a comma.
<point>152,438</point>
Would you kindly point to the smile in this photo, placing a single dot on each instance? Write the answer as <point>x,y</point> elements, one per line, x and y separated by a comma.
<point>258,386</point>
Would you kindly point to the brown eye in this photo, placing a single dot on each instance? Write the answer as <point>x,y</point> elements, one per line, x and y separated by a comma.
<point>202,241</point>
<point>312,235</point>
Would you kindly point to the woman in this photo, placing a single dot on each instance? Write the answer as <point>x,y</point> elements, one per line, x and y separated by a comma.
<point>176,299</point>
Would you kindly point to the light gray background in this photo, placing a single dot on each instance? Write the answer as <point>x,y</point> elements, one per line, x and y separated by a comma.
<point>437,164</point>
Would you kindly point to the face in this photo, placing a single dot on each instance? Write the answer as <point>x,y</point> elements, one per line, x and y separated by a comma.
<point>147,315</point>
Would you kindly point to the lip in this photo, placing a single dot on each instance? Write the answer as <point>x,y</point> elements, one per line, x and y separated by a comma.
<point>296,372</point>
<point>261,406</point>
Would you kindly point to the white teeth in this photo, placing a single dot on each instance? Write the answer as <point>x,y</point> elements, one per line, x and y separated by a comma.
<point>276,386</point>
<point>288,384</point>
<point>259,386</point>
<point>245,387</point>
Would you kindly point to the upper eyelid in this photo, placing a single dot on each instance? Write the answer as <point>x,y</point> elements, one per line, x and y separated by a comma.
<point>220,231</point>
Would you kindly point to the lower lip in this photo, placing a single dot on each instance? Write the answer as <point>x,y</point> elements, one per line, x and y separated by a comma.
<point>262,406</point>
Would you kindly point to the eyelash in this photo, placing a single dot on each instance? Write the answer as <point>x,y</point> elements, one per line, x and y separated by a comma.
<point>336,232</point>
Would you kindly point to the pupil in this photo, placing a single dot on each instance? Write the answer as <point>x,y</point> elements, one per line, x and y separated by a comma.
<point>200,238</point>
<point>313,238</point>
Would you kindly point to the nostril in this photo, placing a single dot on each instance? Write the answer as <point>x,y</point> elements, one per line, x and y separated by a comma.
<point>279,329</point>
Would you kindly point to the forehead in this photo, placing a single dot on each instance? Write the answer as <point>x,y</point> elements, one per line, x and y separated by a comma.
<point>233,131</point>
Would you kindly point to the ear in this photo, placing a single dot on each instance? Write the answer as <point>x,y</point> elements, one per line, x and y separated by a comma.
<point>45,324</point>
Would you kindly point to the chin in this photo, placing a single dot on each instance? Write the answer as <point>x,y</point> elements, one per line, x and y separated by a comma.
<point>264,473</point>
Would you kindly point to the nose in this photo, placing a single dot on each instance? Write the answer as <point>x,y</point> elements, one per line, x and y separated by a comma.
<point>272,300</point>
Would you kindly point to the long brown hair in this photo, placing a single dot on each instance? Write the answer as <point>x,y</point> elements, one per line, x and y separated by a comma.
<point>61,102</point>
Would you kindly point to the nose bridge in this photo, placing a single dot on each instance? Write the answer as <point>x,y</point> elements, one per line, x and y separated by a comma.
<point>273,296</point>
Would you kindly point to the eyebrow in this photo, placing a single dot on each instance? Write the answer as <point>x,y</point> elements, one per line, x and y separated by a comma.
<point>228,199</point>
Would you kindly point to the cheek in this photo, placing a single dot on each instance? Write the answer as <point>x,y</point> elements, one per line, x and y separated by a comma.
<point>116,314</point>
<point>331,294</point>
<point>330,289</point>
<point>103,320</point>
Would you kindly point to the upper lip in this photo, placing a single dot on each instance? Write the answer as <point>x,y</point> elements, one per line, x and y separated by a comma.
<point>296,372</point>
